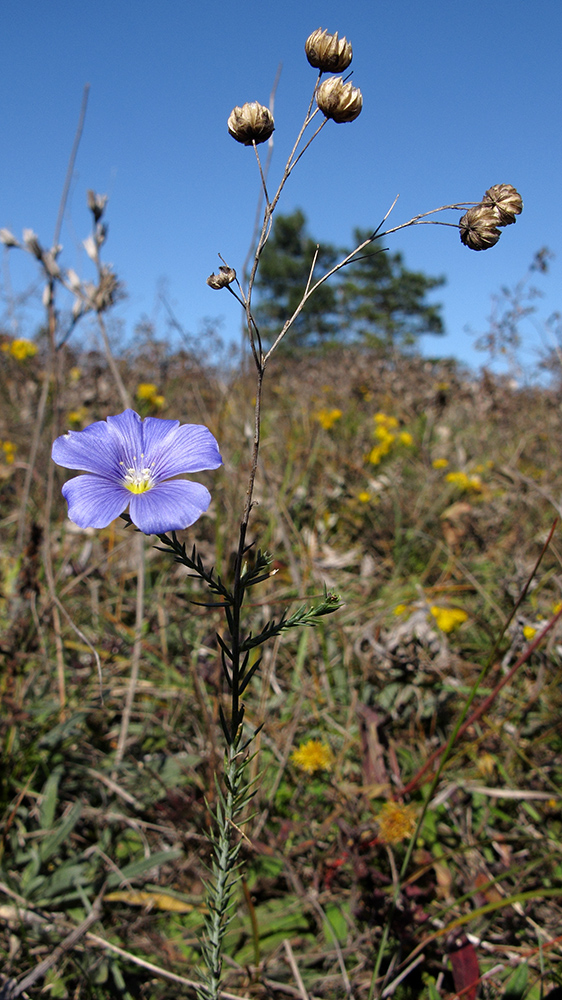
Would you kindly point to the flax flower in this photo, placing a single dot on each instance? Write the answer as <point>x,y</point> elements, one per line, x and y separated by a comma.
<point>133,462</point>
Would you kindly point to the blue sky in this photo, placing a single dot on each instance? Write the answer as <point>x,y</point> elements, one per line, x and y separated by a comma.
<point>457,96</point>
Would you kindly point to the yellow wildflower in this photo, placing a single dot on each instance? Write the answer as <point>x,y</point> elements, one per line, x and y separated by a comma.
<point>448,619</point>
<point>396,822</point>
<point>376,454</point>
<point>556,607</point>
<point>9,449</point>
<point>383,420</point>
<point>463,481</point>
<point>146,390</point>
<point>529,632</point>
<point>77,417</point>
<point>406,438</point>
<point>383,434</point>
<point>327,418</point>
<point>20,348</point>
<point>400,609</point>
<point>440,463</point>
<point>314,755</point>
<point>147,393</point>
<point>364,496</point>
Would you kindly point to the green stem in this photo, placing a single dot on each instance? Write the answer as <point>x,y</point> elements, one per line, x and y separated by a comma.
<point>226,847</point>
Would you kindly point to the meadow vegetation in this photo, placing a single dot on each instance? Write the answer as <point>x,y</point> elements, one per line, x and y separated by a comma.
<point>429,532</point>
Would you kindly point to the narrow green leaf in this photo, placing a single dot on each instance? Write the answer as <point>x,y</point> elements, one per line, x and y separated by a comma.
<point>517,984</point>
<point>50,845</point>
<point>137,868</point>
<point>49,800</point>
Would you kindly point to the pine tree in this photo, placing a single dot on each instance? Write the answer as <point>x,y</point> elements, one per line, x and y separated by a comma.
<point>384,303</point>
<point>375,300</point>
<point>283,272</point>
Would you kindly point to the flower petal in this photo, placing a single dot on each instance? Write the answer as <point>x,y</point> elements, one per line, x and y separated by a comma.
<point>169,506</point>
<point>189,448</point>
<point>136,436</point>
<point>94,450</point>
<point>94,502</point>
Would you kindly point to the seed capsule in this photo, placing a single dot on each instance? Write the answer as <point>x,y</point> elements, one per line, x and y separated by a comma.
<point>328,53</point>
<point>478,228</point>
<point>338,100</point>
<point>505,201</point>
<point>224,278</point>
<point>251,123</point>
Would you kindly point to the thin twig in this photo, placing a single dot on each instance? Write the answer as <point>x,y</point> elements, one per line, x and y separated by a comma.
<point>35,441</point>
<point>85,640</point>
<point>56,237</point>
<point>263,182</point>
<point>391,988</point>
<point>66,945</point>
<point>125,398</point>
<point>341,961</point>
<point>71,163</point>
<point>137,650</point>
<point>312,138</point>
<point>156,969</point>
<point>295,969</point>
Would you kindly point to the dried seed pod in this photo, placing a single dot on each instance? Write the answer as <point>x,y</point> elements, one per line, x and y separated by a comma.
<point>328,53</point>
<point>224,278</point>
<point>96,204</point>
<point>251,123</point>
<point>8,238</point>
<point>505,201</point>
<point>478,228</point>
<point>338,100</point>
<point>107,292</point>
<point>50,262</point>
<point>32,243</point>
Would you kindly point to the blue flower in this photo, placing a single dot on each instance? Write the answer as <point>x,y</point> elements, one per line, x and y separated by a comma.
<point>129,461</point>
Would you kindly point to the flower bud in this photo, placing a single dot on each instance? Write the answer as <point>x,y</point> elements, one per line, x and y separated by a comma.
<point>338,100</point>
<point>8,238</point>
<point>251,123</point>
<point>328,53</point>
<point>224,278</point>
<point>505,201</point>
<point>96,204</point>
<point>478,228</point>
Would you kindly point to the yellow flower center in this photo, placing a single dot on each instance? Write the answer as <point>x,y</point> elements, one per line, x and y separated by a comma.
<point>138,480</point>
